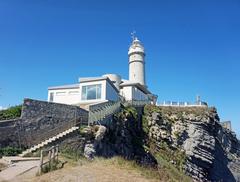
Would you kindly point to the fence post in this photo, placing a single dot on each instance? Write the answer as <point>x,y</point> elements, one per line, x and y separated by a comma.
<point>53,154</point>
<point>57,150</point>
<point>40,163</point>
<point>49,158</point>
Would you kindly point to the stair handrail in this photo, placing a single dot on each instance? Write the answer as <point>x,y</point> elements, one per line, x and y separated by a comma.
<point>102,110</point>
<point>64,126</point>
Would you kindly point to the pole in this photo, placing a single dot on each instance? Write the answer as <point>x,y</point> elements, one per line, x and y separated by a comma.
<point>40,163</point>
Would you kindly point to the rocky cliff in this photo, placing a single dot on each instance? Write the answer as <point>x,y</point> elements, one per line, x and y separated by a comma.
<point>195,140</point>
<point>124,137</point>
<point>190,140</point>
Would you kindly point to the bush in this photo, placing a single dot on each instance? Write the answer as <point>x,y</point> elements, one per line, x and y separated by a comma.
<point>11,113</point>
<point>72,154</point>
<point>9,151</point>
<point>145,124</point>
<point>126,112</point>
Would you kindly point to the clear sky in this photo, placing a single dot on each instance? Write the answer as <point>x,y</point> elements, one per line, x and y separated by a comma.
<point>192,47</point>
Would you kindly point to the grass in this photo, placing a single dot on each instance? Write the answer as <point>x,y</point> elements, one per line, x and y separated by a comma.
<point>129,165</point>
<point>165,172</point>
<point>171,170</point>
<point>53,166</point>
<point>71,154</point>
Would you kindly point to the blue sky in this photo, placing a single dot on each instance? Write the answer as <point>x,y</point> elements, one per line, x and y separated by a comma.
<point>192,47</point>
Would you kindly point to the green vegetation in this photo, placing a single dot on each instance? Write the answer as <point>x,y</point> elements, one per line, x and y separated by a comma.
<point>174,155</point>
<point>149,109</point>
<point>128,111</point>
<point>171,170</point>
<point>9,151</point>
<point>145,124</point>
<point>177,134</point>
<point>130,165</point>
<point>11,113</point>
<point>170,159</point>
<point>54,165</point>
<point>71,154</point>
<point>82,130</point>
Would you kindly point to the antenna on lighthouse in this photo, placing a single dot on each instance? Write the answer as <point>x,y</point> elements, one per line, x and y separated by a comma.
<point>133,35</point>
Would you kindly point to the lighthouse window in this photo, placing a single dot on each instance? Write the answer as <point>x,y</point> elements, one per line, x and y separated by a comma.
<point>91,92</point>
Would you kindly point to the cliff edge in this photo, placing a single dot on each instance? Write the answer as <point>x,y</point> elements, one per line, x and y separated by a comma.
<point>209,152</point>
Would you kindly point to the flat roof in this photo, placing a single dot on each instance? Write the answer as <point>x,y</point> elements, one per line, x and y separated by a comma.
<point>71,86</point>
<point>84,80</point>
<point>138,85</point>
<point>91,79</point>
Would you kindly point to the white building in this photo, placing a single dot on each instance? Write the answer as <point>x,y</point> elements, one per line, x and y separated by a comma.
<point>109,87</point>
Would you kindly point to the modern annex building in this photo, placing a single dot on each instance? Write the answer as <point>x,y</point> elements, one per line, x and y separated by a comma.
<point>109,87</point>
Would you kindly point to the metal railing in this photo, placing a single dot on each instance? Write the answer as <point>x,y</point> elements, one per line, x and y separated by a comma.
<point>136,103</point>
<point>184,104</point>
<point>31,139</point>
<point>101,111</point>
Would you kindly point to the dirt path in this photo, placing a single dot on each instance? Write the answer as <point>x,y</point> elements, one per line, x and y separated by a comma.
<point>90,172</point>
<point>17,169</point>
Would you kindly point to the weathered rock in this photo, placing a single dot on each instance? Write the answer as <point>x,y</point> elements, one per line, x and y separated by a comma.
<point>89,151</point>
<point>100,133</point>
<point>212,152</point>
<point>123,138</point>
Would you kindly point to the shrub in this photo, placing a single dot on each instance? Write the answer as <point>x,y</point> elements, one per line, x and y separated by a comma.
<point>72,153</point>
<point>127,111</point>
<point>11,113</point>
<point>9,151</point>
<point>145,124</point>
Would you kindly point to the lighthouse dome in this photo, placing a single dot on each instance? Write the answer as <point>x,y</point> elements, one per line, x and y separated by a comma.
<point>136,47</point>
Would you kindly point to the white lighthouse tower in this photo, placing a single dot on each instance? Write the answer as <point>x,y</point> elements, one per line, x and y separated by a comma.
<point>136,56</point>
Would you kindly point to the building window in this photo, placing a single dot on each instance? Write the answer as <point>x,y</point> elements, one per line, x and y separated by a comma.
<point>51,97</point>
<point>60,93</point>
<point>73,92</point>
<point>91,92</point>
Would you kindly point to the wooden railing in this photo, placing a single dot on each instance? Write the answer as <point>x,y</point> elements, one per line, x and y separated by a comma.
<point>51,158</point>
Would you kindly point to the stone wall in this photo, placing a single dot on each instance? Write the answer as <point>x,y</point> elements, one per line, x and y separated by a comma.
<point>39,121</point>
<point>9,133</point>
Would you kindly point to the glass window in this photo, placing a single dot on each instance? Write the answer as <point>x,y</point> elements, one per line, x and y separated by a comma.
<point>99,88</point>
<point>60,93</point>
<point>73,92</point>
<point>84,93</point>
<point>91,92</point>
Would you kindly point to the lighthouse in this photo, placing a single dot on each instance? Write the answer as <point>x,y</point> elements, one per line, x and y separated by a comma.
<point>136,56</point>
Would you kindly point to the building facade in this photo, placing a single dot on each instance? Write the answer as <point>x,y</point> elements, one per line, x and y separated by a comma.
<point>109,87</point>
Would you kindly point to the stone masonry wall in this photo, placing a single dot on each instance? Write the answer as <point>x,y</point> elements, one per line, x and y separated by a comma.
<point>9,133</point>
<point>39,121</point>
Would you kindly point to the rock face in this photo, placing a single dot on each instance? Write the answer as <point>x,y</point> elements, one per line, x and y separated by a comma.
<point>124,137</point>
<point>212,152</point>
<point>191,139</point>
